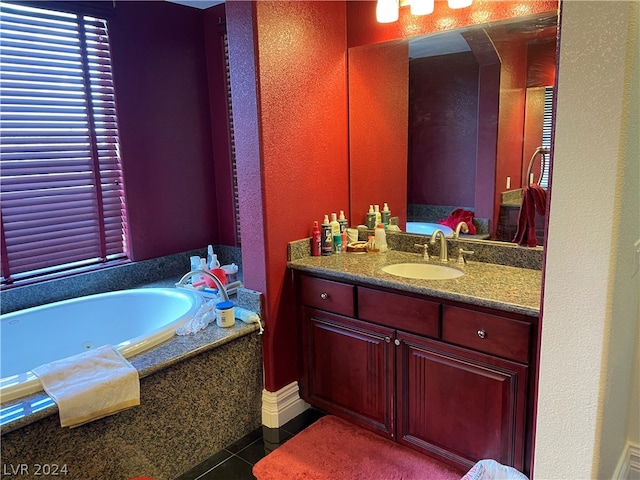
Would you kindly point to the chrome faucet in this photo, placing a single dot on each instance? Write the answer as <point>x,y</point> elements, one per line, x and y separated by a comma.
<point>461,226</point>
<point>444,257</point>
<point>216,280</point>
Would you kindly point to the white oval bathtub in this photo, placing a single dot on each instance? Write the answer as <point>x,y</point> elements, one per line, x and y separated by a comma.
<point>130,320</point>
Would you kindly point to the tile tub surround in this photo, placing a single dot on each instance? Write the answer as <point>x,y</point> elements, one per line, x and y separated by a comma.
<point>192,404</point>
<point>500,287</point>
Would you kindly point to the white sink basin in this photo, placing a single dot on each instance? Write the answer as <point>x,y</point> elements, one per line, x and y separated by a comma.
<point>423,271</point>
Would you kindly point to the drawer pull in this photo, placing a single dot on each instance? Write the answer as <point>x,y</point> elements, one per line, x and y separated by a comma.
<point>324,296</point>
<point>482,333</point>
<point>387,339</point>
<point>397,342</point>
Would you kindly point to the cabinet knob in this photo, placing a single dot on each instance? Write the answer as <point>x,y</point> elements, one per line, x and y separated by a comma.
<point>482,333</point>
<point>324,296</point>
<point>387,339</point>
<point>397,342</point>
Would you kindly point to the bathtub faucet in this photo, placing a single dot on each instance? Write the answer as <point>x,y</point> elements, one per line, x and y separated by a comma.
<point>216,280</point>
<point>461,226</point>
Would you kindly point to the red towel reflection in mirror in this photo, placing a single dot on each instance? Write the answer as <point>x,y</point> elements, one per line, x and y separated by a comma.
<point>457,216</point>
<point>534,199</point>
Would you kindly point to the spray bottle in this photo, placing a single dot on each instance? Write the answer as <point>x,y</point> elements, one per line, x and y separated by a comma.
<point>371,218</point>
<point>316,240</point>
<point>343,222</point>
<point>335,234</point>
<point>327,237</point>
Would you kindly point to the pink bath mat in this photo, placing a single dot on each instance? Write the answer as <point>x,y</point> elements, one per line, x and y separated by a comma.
<point>334,449</point>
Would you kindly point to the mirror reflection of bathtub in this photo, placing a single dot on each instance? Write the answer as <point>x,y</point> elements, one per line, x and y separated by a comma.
<point>425,228</point>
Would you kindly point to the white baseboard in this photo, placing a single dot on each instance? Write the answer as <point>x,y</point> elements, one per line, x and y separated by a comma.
<point>629,463</point>
<point>281,406</point>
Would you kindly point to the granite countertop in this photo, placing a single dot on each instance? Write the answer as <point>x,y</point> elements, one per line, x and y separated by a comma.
<point>505,288</point>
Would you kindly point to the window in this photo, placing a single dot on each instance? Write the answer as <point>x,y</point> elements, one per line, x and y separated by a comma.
<point>61,192</point>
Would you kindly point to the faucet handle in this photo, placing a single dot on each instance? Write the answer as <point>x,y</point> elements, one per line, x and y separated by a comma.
<point>462,251</point>
<point>425,251</point>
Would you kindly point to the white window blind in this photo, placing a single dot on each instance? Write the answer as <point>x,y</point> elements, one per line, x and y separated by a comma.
<point>546,135</point>
<point>61,193</point>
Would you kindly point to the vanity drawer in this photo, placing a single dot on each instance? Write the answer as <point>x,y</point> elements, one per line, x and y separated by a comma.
<point>410,314</point>
<point>500,336</point>
<point>327,295</point>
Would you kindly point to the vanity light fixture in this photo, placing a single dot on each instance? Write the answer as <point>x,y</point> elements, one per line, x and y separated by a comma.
<point>421,7</point>
<point>387,10</point>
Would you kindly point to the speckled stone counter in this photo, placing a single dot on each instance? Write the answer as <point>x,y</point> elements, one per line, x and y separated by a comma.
<point>505,288</point>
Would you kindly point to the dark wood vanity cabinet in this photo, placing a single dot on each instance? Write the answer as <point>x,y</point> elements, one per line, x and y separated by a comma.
<point>350,369</point>
<point>459,405</point>
<point>450,381</point>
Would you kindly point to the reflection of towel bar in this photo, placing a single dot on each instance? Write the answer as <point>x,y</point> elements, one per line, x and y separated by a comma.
<point>542,151</point>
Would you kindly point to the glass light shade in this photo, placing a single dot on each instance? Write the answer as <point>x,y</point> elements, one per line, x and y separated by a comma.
<point>459,3</point>
<point>421,7</point>
<point>387,11</point>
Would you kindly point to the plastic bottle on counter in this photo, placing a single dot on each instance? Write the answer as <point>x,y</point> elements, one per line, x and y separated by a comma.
<point>371,218</point>
<point>381,238</point>
<point>316,240</point>
<point>212,258</point>
<point>386,215</point>
<point>335,225</point>
<point>335,233</point>
<point>342,220</point>
<point>376,210</point>
<point>327,237</point>
<point>337,243</point>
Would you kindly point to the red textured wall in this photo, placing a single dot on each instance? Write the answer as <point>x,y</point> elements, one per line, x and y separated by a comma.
<point>443,112</point>
<point>292,128</point>
<point>541,69</point>
<point>161,82</point>
<point>513,83</point>
<point>534,119</point>
<point>378,106</point>
<point>541,72</point>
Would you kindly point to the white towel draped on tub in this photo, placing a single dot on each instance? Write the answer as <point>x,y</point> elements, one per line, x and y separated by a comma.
<point>90,385</point>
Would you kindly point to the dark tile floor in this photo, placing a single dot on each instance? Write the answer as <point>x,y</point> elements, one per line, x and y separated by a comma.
<point>236,461</point>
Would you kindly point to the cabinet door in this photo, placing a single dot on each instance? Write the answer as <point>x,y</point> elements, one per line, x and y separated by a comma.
<point>459,405</point>
<point>349,369</point>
